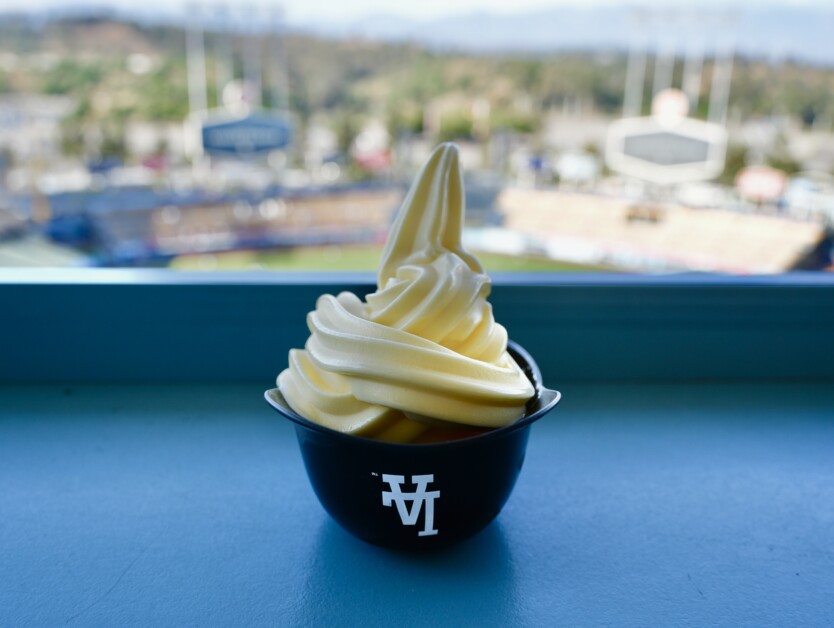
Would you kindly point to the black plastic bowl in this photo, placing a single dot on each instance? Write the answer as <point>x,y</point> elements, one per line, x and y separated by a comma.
<point>417,496</point>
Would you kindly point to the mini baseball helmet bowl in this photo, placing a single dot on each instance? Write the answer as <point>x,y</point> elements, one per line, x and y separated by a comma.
<point>417,496</point>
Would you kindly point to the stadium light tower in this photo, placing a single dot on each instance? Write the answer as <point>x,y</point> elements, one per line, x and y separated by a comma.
<point>636,70</point>
<point>196,59</point>
<point>277,53</point>
<point>693,64</point>
<point>252,69</point>
<point>670,145</point>
<point>722,72</point>
<point>239,128</point>
<point>224,64</point>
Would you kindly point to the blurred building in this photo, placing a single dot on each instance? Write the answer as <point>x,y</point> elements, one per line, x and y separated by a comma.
<point>30,126</point>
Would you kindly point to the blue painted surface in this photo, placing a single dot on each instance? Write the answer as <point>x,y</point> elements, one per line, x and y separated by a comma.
<point>94,326</point>
<point>639,505</point>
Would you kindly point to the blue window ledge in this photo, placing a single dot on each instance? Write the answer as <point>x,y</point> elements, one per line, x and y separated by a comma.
<point>114,325</point>
<point>687,478</point>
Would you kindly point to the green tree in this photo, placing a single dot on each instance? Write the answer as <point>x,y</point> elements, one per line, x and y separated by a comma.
<point>164,95</point>
<point>784,162</point>
<point>347,128</point>
<point>403,119</point>
<point>735,160</point>
<point>455,127</point>
<point>70,76</point>
<point>72,129</point>
<point>513,121</point>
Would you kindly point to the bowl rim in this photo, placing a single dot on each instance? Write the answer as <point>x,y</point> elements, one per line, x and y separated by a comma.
<point>546,397</point>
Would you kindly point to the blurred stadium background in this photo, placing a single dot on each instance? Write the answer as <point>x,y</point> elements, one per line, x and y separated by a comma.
<point>220,136</point>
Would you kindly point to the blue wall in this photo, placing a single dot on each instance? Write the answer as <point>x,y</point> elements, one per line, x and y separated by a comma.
<point>95,325</point>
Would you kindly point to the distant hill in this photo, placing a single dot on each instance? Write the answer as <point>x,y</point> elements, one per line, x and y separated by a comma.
<point>349,78</point>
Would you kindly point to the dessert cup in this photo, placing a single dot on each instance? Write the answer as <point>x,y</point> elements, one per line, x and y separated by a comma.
<point>417,496</point>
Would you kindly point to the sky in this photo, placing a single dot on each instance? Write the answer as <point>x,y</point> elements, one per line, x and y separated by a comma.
<point>303,10</point>
<point>306,11</point>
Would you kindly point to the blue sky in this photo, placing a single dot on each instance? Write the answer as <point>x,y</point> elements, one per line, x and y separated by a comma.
<point>305,11</point>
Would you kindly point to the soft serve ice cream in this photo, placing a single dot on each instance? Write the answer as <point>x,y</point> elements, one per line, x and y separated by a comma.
<point>422,356</point>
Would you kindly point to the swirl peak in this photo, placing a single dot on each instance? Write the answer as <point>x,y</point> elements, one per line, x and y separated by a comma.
<point>430,221</point>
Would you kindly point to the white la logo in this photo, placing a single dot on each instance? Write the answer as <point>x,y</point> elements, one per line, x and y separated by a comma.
<point>417,498</point>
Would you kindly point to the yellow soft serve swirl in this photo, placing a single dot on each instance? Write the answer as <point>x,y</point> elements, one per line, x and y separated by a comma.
<point>424,348</point>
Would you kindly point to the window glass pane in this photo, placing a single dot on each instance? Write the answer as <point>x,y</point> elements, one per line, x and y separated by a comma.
<point>227,136</point>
